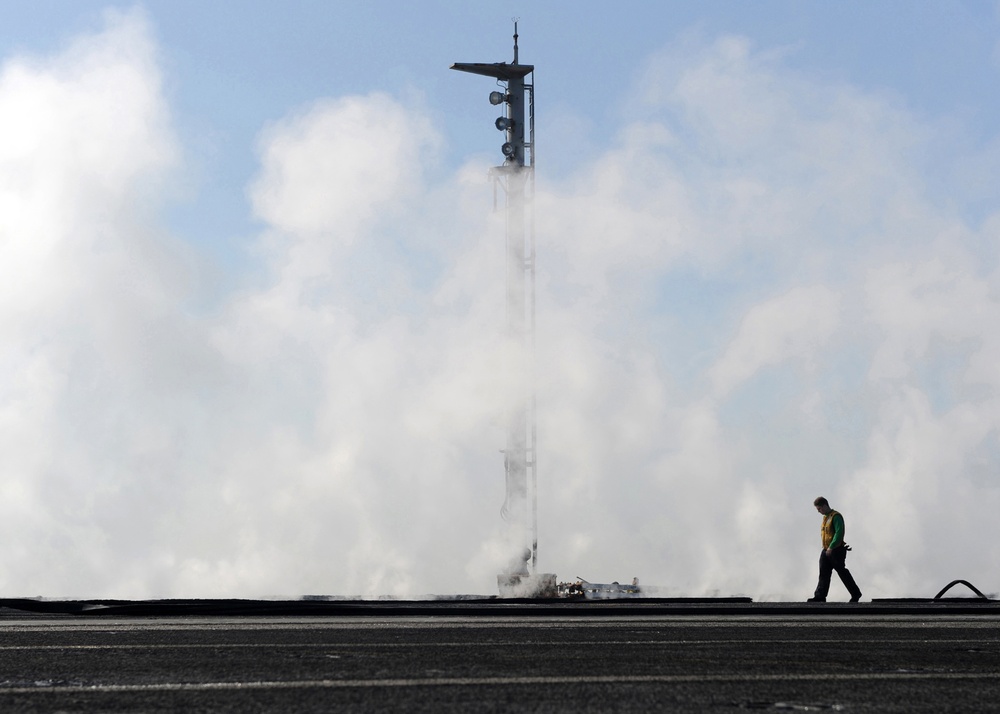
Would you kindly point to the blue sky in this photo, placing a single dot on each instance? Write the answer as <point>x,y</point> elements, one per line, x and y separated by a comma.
<point>253,294</point>
<point>229,73</point>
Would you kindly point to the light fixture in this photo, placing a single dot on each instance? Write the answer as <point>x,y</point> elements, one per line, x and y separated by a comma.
<point>507,149</point>
<point>503,123</point>
<point>497,98</point>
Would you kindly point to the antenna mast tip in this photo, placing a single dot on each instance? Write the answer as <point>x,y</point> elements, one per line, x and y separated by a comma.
<point>515,19</point>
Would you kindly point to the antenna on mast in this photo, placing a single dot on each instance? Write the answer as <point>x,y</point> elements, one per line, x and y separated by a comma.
<point>515,39</point>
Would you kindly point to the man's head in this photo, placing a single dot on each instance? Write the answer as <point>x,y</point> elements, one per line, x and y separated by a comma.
<point>822,505</point>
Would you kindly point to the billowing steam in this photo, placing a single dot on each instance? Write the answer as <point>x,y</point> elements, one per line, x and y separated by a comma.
<point>753,297</point>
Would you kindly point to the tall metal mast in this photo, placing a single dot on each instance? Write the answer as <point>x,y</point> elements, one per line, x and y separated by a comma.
<point>517,178</point>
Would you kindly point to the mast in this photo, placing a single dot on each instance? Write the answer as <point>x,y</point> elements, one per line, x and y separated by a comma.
<point>516,177</point>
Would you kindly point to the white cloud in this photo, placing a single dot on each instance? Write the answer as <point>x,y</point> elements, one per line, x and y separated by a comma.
<point>334,426</point>
<point>338,165</point>
<point>793,326</point>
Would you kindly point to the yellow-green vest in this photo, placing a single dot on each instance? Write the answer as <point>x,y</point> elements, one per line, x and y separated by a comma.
<point>827,530</point>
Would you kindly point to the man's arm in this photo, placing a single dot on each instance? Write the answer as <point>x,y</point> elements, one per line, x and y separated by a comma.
<point>838,532</point>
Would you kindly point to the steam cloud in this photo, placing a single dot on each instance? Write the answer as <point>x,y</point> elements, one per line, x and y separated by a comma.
<point>752,298</point>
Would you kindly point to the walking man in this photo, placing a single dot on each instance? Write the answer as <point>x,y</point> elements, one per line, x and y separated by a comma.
<point>834,554</point>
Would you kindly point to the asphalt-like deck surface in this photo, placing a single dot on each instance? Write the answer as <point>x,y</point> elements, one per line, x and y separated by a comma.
<point>573,657</point>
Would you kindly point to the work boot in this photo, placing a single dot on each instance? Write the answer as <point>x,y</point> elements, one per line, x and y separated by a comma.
<point>816,599</point>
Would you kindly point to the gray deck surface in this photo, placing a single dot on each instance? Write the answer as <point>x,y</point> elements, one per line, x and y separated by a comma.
<point>873,658</point>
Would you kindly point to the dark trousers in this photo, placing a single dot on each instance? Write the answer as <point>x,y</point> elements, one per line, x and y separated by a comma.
<point>827,564</point>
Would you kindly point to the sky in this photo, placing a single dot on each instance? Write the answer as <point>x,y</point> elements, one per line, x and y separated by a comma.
<point>252,297</point>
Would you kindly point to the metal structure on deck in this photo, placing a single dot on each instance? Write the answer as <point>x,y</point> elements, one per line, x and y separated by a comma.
<point>516,177</point>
